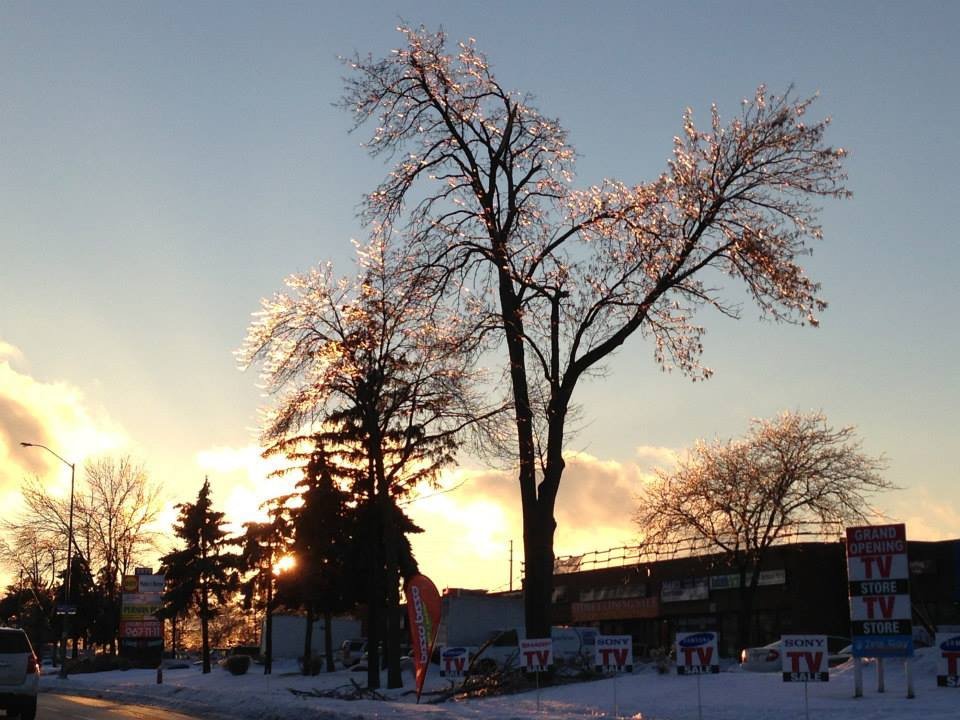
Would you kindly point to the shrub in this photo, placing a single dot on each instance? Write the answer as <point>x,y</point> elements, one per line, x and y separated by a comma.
<point>237,664</point>
<point>316,664</point>
<point>97,663</point>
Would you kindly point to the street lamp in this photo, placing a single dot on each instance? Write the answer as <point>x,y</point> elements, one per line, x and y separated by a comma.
<point>67,594</point>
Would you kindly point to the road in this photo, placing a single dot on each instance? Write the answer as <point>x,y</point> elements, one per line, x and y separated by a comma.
<point>84,708</point>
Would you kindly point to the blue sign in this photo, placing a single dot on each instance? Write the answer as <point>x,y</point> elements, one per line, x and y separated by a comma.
<point>66,609</point>
<point>882,646</point>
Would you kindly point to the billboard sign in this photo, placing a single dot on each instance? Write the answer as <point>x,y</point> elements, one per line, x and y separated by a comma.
<point>878,572</point>
<point>613,653</point>
<point>948,659</point>
<point>141,633</point>
<point>804,658</point>
<point>536,654</point>
<point>697,653</point>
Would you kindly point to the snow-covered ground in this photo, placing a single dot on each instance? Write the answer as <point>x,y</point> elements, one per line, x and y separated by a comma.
<point>646,695</point>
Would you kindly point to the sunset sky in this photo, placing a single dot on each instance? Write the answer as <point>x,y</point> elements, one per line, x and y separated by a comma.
<point>165,165</point>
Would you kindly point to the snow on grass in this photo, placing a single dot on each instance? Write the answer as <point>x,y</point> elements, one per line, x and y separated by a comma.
<point>643,695</point>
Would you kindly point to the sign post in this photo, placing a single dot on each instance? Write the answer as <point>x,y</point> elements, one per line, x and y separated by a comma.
<point>878,572</point>
<point>804,658</point>
<point>614,653</point>
<point>536,655</point>
<point>697,654</point>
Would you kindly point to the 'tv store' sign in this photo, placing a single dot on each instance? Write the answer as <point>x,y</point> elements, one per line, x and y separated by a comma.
<point>879,588</point>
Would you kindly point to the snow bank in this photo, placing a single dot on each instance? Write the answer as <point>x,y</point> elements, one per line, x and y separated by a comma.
<point>646,695</point>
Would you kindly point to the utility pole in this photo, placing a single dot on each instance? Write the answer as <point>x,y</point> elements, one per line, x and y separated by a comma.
<point>68,608</point>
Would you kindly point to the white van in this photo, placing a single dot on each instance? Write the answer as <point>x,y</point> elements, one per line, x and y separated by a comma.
<point>573,649</point>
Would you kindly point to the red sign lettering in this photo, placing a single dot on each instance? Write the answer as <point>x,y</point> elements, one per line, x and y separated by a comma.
<point>811,659</point>
<point>883,564</point>
<point>619,656</point>
<point>454,664</point>
<point>952,661</point>
<point>539,655</point>
<point>886,606</point>
<point>704,655</point>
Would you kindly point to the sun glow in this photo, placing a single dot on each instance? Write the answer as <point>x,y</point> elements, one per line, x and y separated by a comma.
<point>287,562</point>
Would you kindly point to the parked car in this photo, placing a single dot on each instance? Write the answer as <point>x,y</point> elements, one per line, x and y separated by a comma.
<point>352,651</point>
<point>19,674</point>
<point>767,658</point>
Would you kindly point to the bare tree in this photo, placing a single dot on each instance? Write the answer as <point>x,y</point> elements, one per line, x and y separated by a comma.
<point>383,386</point>
<point>116,511</point>
<point>482,188</point>
<point>29,552</point>
<point>115,504</point>
<point>790,477</point>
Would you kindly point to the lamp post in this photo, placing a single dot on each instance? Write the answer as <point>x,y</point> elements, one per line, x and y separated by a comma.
<point>67,594</point>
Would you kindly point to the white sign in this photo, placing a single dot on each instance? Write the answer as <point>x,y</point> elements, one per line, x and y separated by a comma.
<point>614,653</point>
<point>684,590</point>
<point>877,567</point>
<point>878,571</point>
<point>948,659</point>
<point>804,658</point>
<point>879,607</point>
<point>150,583</point>
<point>536,654</point>
<point>130,599</point>
<point>697,653</point>
<point>732,581</point>
<point>454,661</point>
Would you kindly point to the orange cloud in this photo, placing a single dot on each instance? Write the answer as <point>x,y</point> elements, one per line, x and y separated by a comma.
<point>54,414</point>
<point>469,527</point>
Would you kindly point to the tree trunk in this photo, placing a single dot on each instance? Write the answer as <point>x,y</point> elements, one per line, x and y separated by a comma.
<point>205,629</point>
<point>392,594</point>
<point>268,631</point>
<point>374,602</point>
<point>394,674</point>
<point>749,577</point>
<point>328,640</point>
<point>308,643</point>
<point>373,640</point>
<point>538,572</point>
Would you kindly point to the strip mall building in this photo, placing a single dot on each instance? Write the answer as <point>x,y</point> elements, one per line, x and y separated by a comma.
<point>802,589</point>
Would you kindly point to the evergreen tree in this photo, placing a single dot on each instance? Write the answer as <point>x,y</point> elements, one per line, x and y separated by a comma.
<point>202,573</point>
<point>387,384</point>
<point>264,544</point>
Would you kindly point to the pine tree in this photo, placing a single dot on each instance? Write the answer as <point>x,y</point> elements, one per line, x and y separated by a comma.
<point>203,572</point>
<point>323,578</point>
<point>264,544</point>
<point>368,364</point>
